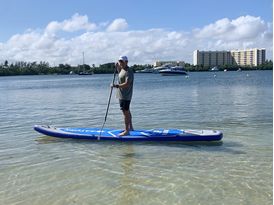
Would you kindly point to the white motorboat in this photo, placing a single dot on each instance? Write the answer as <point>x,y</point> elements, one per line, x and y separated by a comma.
<point>146,70</point>
<point>163,67</point>
<point>214,69</point>
<point>177,70</point>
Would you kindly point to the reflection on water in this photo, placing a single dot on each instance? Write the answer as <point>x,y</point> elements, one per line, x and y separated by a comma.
<point>129,192</point>
<point>36,169</point>
<point>46,139</point>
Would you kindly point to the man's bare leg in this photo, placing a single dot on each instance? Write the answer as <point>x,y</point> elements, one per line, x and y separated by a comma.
<point>130,122</point>
<point>127,119</point>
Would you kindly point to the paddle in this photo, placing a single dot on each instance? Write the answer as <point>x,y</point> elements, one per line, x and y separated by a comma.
<point>110,94</point>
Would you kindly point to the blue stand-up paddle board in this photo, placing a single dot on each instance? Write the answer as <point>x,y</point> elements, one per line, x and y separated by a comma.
<point>136,135</point>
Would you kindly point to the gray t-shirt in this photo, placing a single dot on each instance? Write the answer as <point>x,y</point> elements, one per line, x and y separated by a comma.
<point>125,93</point>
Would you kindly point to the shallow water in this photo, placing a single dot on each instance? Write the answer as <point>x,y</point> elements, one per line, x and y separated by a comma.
<point>36,169</point>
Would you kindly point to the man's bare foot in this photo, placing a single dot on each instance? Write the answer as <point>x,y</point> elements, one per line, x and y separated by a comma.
<point>124,133</point>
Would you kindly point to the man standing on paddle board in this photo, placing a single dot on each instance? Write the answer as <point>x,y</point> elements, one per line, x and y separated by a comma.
<point>124,91</point>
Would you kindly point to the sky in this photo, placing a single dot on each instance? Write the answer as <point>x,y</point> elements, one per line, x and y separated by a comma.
<point>59,31</point>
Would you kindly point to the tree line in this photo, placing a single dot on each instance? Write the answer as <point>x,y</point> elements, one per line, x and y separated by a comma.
<point>267,65</point>
<point>43,68</point>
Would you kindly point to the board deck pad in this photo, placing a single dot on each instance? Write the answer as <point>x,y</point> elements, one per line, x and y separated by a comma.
<point>136,135</point>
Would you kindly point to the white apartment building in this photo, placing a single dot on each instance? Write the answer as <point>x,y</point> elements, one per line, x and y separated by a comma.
<point>174,63</point>
<point>247,57</point>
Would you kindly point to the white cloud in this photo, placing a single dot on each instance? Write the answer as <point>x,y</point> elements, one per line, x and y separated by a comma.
<point>104,42</point>
<point>242,28</point>
<point>240,33</point>
<point>76,23</point>
<point>118,25</point>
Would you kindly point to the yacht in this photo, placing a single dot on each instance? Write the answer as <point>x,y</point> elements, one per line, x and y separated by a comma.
<point>163,67</point>
<point>176,70</point>
<point>146,70</point>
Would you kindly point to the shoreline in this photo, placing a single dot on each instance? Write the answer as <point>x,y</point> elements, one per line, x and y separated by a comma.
<point>106,72</point>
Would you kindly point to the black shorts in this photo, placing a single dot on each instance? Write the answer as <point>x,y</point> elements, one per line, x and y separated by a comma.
<point>124,104</point>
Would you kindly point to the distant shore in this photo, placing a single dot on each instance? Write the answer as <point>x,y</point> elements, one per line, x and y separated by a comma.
<point>43,68</point>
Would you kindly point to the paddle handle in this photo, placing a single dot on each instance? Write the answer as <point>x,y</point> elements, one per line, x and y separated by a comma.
<point>110,94</point>
<point>109,99</point>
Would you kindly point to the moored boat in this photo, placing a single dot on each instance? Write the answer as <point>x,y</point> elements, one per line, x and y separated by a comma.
<point>177,70</point>
<point>146,70</point>
<point>214,69</point>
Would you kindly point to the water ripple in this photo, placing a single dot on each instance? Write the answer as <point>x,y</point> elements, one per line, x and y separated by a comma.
<point>36,169</point>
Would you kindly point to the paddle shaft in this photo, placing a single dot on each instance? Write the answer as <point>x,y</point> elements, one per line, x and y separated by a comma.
<point>109,99</point>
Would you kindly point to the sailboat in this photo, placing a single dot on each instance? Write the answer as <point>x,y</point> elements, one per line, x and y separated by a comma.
<point>84,72</point>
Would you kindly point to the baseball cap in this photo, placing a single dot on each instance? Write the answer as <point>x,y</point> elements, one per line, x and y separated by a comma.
<point>123,58</point>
